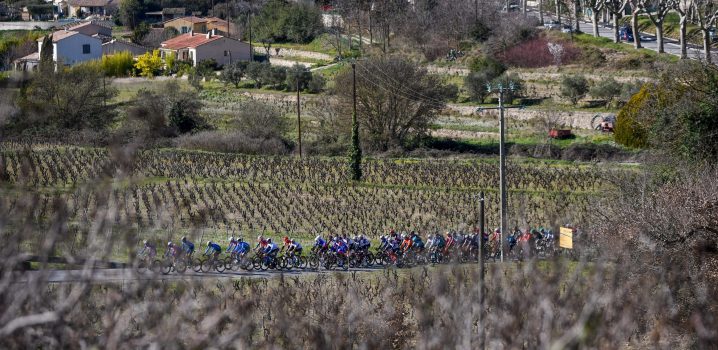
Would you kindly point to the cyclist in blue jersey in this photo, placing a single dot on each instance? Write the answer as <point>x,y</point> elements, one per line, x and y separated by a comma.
<point>213,248</point>
<point>187,246</point>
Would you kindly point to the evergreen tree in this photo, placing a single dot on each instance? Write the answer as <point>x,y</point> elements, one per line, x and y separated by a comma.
<point>355,155</point>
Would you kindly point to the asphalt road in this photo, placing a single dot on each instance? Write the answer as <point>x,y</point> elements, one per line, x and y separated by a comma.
<point>128,275</point>
<point>648,41</point>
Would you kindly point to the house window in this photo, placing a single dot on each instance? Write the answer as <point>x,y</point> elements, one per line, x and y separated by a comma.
<point>86,48</point>
<point>185,30</point>
<point>225,53</point>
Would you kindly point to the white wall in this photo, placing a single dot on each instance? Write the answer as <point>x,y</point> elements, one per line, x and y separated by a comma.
<point>69,50</point>
<point>216,49</point>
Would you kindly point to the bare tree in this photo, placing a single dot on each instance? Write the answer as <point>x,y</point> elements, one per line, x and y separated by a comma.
<point>636,9</point>
<point>596,7</point>
<point>661,9</point>
<point>683,7</point>
<point>616,8</point>
<point>707,12</point>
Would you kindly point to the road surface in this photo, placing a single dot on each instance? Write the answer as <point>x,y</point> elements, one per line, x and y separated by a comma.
<point>670,46</point>
<point>128,274</point>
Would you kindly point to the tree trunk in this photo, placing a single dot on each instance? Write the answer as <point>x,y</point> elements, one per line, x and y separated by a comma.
<point>594,21</point>
<point>576,14</point>
<point>659,36</point>
<point>523,8</point>
<point>616,39</point>
<point>371,31</point>
<point>558,10</point>
<point>634,26</point>
<point>684,46</point>
<point>706,44</point>
<point>540,8</point>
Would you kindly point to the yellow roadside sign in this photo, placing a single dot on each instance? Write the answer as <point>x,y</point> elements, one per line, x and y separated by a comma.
<point>566,238</point>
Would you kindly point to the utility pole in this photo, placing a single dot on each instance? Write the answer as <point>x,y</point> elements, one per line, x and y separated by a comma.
<point>482,295</point>
<point>249,26</point>
<point>299,119</point>
<point>501,89</point>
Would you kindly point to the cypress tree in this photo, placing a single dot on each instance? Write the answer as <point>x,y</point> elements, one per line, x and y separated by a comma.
<point>46,63</point>
<point>355,155</point>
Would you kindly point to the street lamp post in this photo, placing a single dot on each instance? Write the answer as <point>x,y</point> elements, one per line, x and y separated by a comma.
<point>501,89</point>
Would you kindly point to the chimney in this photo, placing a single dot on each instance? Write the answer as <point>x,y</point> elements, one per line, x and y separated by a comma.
<point>209,35</point>
<point>191,32</point>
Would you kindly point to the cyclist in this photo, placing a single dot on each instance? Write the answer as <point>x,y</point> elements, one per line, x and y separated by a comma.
<point>341,247</point>
<point>213,248</point>
<point>450,241</point>
<point>406,244</point>
<point>320,244</point>
<point>261,243</point>
<point>287,242</point>
<point>172,250</point>
<point>417,242</point>
<point>363,243</point>
<point>271,249</point>
<point>512,240</point>
<point>187,246</point>
<point>150,248</point>
<point>232,245</point>
<point>384,243</point>
<point>295,248</point>
<point>240,248</point>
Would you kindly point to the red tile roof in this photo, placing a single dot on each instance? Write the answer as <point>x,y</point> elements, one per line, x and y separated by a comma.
<point>191,19</point>
<point>188,40</point>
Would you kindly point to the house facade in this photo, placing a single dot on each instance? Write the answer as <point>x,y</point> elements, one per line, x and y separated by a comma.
<point>195,48</point>
<point>188,24</point>
<point>70,48</point>
<point>91,7</point>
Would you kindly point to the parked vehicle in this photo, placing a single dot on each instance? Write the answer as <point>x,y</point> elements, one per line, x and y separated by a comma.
<point>566,29</point>
<point>552,25</point>
<point>625,33</point>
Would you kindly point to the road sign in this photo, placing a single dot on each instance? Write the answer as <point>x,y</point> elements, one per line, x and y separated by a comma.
<point>566,238</point>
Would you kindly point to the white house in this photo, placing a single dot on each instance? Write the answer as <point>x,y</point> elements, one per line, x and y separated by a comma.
<point>197,47</point>
<point>70,47</point>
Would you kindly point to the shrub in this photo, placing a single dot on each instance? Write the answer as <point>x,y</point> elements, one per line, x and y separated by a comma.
<point>298,73</point>
<point>275,76</point>
<point>256,72</point>
<point>607,90</point>
<point>206,68</point>
<point>316,84</point>
<point>118,65</point>
<point>534,53</point>
<point>233,73</point>
<point>628,130</point>
<point>574,87</point>
<point>592,56</point>
<point>184,115</point>
<point>484,70</point>
<point>149,64</point>
<point>488,65</point>
<point>235,141</point>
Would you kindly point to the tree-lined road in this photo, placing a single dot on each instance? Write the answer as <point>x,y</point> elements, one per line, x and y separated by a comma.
<point>670,46</point>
